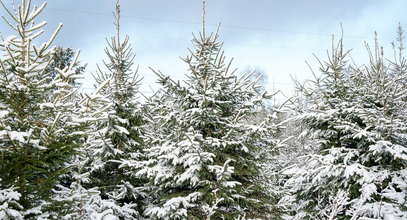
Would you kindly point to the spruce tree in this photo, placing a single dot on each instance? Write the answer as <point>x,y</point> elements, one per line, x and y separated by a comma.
<point>356,118</point>
<point>205,154</point>
<point>116,139</point>
<point>63,57</point>
<point>40,126</point>
<point>73,197</point>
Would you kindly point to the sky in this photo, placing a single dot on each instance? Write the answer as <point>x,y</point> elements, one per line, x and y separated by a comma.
<point>275,36</point>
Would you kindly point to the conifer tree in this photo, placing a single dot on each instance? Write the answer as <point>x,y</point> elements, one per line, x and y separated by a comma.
<point>205,154</point>
<point>357,120</point>
<point>40,126</point>
<point>73,197</point>
<point>117,139</point>
<point>63,57</point>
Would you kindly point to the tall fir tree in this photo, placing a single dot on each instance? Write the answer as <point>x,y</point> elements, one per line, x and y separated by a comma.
<point>356,116</point>
<point>40,125</point>
<point>117,139</point>
<point>205,154</point>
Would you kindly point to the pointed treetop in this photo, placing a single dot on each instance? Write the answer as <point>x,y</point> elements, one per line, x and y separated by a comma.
<point>117,17</point>
<point>203,18</point>
<point>118,7</point>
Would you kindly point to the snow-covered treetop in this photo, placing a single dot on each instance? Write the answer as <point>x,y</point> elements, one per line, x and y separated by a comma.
<point>22,21</point>
<point>124,82</point>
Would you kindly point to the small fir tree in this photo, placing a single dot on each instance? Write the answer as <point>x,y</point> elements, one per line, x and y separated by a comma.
<point>73,198</point>
<point>63,57</point>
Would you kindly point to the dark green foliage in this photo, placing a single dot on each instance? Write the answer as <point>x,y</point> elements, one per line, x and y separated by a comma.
<point>62,58</point>
<point>117,142</point>
<point>39,131</point>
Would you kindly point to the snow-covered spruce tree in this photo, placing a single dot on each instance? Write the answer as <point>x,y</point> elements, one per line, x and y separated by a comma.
<point>355,117</point>
<point>295,146</point>
<point>205,155</point>
<point>73,198</point>
<point>39,127</point>
<point>116,139</point>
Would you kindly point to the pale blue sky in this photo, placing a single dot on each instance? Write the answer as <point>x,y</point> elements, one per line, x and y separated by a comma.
<point>275,35</point>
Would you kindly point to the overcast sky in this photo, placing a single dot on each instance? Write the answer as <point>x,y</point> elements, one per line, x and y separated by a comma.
<point>274,35</point>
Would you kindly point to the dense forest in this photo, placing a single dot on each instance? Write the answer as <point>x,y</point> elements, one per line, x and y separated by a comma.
<point>209,147</point>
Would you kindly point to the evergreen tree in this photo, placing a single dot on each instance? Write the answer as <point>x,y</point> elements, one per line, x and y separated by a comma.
<point>358,122</point>
<point>63,57</point>
<point>73,197</point>
<point>205,154</point>
<point>40,126</point>
<point>117,139</point>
